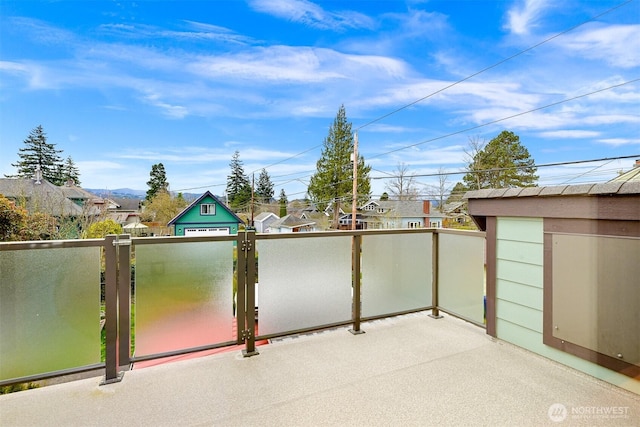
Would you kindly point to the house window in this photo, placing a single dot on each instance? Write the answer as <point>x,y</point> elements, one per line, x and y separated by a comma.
<point>415,224</point>
<point>207,209</point>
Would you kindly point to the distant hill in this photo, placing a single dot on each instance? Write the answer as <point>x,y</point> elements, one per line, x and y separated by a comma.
<point>124,193</point>
<point>128,193</point>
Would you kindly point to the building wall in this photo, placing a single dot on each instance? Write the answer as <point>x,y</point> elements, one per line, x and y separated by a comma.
<point>193,218</point>
<point>519,296</point>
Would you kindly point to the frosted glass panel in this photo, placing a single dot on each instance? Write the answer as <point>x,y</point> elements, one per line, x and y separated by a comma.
<point>461,275</point>
<point>303,283</point>
<point>49,310</point>
<point>184,296</point>
<point>396,273</point>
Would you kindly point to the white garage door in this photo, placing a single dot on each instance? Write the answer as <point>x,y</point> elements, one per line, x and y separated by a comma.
<point>206,231</point>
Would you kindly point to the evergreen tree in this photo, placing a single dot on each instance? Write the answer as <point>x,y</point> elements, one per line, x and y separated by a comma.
<point>264,189</point>
<point>238,186</point>
<point>157,181</point>
<point>457,193</point>
<point>69,171</point>
<point>333,180</point>
<point>38,153</point>
<point>502,163</point>
<point>283,203</point>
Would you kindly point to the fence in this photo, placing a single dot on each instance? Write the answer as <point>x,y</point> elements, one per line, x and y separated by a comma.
<point>198,293</point>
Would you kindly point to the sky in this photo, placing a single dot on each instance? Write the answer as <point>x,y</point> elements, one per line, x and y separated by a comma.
<point>119,86</point>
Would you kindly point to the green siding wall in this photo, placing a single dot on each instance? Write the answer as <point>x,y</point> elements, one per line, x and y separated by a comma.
<point>519,296</point>
<point>193,219</point>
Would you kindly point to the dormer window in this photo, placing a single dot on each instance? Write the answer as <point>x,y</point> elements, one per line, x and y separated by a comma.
<point>207,209</point>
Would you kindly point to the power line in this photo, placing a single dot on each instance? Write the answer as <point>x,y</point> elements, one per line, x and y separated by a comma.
<point>507,118</point>
<point>494,65</point>
<point>544,165</point>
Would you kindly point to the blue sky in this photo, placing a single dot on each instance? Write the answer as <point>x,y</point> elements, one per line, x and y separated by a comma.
<point>121,85</point>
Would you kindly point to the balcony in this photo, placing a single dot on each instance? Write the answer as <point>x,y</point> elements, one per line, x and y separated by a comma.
<point>363,327</point>
<point>405,370</point>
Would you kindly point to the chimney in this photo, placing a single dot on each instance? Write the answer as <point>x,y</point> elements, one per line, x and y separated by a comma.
<point>38,175</point>
<point>426,207</point>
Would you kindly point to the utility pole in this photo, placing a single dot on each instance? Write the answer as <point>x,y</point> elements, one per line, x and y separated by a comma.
<point>253,178</point>
<point>355,181</point>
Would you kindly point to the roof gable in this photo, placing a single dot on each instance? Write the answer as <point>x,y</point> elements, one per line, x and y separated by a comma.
<point>196,203</point>
<point>264,216</point>
<point>290,221</point>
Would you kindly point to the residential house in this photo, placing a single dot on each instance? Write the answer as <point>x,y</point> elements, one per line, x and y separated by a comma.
<point>320,218</point>
<point>124,217</point>
<point>455,214</point>
<point>206,216</point>
<point>39,195</point>
<point>345,221</point>
<point>263,220</point>
<point>384,214</point>
<point>291,224</point>
<point>90,203</point>
<point>632,175</point>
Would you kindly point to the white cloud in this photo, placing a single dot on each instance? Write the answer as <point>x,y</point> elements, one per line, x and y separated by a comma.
<point>568,134</point>
<point>194,31</point>
<point>617,45</point>
<point>523,17</point>
<point>204,154</point>
<point>616,142</point>
<point>308,13</point>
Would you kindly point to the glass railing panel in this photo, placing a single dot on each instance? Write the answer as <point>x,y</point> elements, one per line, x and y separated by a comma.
<point>303,282</point>
<point>396,273</point>
<point>49,310</point>
<point>461,275</point>
<point>184,296</point>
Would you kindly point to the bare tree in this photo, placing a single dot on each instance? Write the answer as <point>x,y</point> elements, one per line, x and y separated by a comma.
<point>442,188</point>
<point>402,186</point>
<point>476,145</point>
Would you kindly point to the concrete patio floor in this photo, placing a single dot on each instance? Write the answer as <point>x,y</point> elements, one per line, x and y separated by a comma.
<point>407,370</point>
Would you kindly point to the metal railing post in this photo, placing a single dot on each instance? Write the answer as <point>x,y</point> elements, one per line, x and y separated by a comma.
<point>112,374</point>
<point>249,333</point>
<point>356,284</point>
<point>124,299</point>
<point>435,257</point>
<point>241,280</point>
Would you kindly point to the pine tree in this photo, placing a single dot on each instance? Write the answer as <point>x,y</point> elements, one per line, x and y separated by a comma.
<point>283,203</point>
<point>70,172</point>
<point>38,153</point>
<point>333,181</point>
<point>502,163</point>
<point>157,181</point>
<point>264,189</point>
<point>238,186</point>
